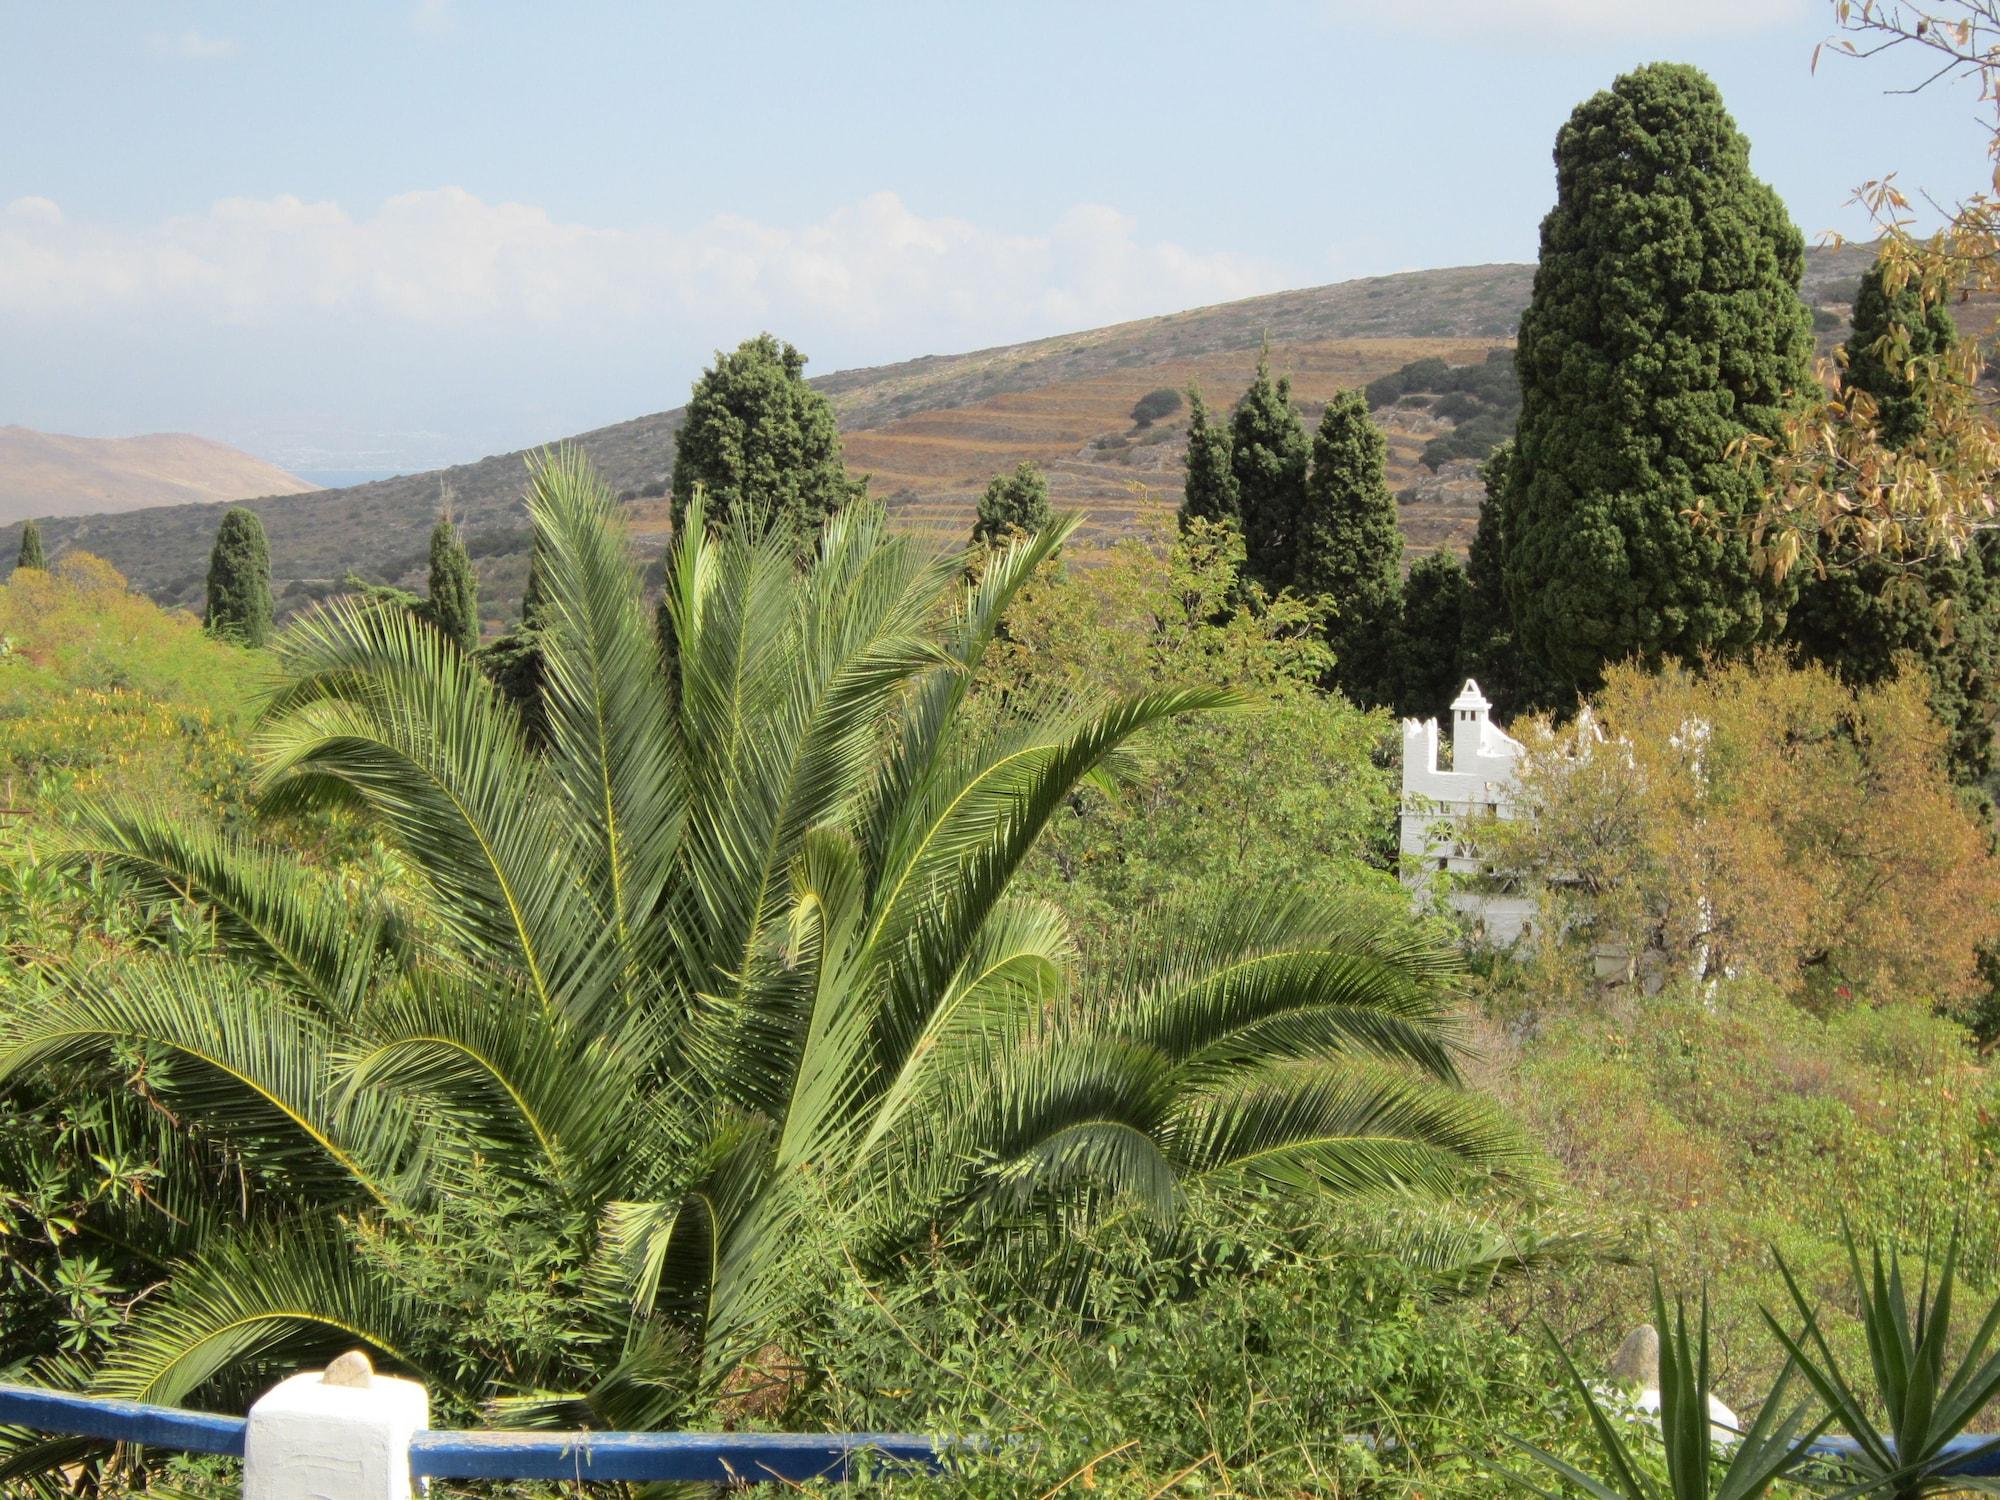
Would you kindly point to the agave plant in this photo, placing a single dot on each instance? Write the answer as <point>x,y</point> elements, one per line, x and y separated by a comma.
<point>1696,1468</point>
<point>722,958</point>
<point>1921,1450</point>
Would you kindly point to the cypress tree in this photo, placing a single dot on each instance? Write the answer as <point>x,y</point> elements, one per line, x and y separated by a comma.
<point>1210,491</point>
<point>1889,333</point>
<point>1863,616</point>
<point>31,547</point>
<point>454,587</point>
<point>1016,502</point>
<point>763,445</point>
<point>514,660</point>
<point>239,580</point>
<point>1665,324</point>
<point>1486,648</point>
<point>1269,453</point>
<point>1429,669</point>
<point>1347,548</point>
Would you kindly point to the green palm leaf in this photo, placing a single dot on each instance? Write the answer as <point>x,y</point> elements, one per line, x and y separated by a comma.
<point>251,1064</point>
<point>258,1307</point>
<point>270,911</point>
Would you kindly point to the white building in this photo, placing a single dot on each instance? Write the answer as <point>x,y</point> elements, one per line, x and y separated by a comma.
<point>1477,781</point>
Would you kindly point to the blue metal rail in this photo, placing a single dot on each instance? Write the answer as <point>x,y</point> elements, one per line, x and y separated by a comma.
<point>634,1457</point>
<point>1965,1457</point>
<point>648,1457</point>
<point>60,1412</point>
<point>637,1457</point>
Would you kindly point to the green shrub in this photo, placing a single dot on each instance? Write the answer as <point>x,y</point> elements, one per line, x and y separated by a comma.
<point>1154,405</point>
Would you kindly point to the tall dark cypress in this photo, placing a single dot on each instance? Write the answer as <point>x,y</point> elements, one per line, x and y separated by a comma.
<point>239,580</point>
<point>1665,324</point>
<point>1429,668</point>
<point>1486,648</point>
<point>1210,491</point>
<point>514,661</point>
<point>454,587</point>
<point>1348,550</point>
<point>1864,616</point>
<point>1269,454</point>
<point>31,547</point>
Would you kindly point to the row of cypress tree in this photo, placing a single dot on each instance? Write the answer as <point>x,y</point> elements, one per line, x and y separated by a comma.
<point>1316,516</point>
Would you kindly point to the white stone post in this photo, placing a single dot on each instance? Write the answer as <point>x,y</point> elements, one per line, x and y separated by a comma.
<point>342,1433</point>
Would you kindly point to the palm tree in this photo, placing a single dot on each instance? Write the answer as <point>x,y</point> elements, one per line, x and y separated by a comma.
<point>724,958</point>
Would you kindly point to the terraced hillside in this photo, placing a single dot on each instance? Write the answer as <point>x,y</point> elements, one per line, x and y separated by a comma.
<point>931,431</point>
<point>931,467</point>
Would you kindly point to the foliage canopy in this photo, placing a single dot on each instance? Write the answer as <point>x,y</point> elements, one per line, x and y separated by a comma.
<point>704,972</point>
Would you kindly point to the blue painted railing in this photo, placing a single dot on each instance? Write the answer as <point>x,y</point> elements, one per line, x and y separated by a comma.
<point>1965,1457</point>
<point>59,1412</point>
<point>636,1457</point>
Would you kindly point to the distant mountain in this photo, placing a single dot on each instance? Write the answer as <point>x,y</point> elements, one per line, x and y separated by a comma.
<point>49,474</point>
<point>930,432</point>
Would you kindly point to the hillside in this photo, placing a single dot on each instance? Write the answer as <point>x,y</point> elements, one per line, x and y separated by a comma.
<point>931,431</point>
<point>52,474</point>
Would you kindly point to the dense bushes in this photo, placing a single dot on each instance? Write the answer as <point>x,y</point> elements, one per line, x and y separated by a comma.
<point>1482,402</point>
<point>1154,405</point>
<point>1271,1357</point>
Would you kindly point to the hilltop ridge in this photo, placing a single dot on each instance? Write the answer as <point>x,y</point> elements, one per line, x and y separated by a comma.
<point>930,431</point>
<point>54,474</point>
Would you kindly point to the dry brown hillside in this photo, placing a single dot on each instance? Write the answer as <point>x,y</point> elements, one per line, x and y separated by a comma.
<point>931,467</point>
<point>930,432</point>
<point>51,474</point>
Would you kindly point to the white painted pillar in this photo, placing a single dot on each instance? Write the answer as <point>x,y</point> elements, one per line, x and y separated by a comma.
<point>342,1433</point>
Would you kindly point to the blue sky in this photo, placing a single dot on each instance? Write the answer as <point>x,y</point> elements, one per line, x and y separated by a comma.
<point>366,237</point>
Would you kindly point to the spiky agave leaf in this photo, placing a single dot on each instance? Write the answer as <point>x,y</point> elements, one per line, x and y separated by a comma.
<point>1907,1349</point>
<point>1776,1443</point>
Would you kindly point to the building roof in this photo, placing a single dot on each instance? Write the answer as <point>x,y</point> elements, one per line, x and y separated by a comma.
<point>1470,698</point>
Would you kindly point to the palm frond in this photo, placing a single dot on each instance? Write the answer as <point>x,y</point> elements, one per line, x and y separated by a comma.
<point>1345,1126</point>
<point>269,911</point>
<point>252,1308</point>
<point>611,751</point>
<point>1259,977</point>
<point>524,1090</point>
<point>383,708</point>
<point>250,1064</point>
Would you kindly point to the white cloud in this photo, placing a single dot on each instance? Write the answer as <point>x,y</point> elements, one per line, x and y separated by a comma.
<point>34,210</point>
<point>195,46</point>
<point>873,272</point>
<point>1581,22</point>
<point>433,17</point>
